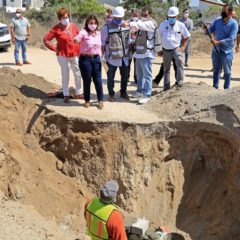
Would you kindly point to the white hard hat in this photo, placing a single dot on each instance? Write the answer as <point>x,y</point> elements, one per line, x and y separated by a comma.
<point>118,12</point>
<point>173,12</point>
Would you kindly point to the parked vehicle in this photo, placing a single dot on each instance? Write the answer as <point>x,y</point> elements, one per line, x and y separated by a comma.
<point>5,38</point>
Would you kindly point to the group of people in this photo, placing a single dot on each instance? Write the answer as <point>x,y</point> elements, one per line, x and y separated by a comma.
<point>141,38</point>
<point>120,43</point>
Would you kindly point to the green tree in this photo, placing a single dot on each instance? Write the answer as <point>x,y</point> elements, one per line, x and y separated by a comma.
<point>129,4</point>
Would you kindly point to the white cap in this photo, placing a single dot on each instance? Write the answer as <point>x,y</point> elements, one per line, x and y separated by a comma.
<point>173,12</point>
<point>118,12</point>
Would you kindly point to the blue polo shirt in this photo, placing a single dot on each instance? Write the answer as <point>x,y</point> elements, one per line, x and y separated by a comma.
<point>226,33</point>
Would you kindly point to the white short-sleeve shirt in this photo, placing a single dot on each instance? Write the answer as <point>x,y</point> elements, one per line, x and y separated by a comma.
<point>171,36</point>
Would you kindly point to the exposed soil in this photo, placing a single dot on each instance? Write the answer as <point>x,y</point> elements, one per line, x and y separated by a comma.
<point>181,170</point>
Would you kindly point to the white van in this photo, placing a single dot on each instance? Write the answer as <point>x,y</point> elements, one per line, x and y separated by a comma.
<point>5,38</point>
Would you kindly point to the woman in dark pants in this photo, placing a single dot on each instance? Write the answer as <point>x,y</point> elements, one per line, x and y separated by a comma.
<point>89,60</point>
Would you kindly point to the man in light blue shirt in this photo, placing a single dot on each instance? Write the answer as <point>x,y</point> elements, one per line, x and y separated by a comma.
<point>20,33</point>
<point>225,33</point>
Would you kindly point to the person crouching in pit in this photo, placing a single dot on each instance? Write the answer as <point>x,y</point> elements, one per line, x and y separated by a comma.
<point>89,61</point>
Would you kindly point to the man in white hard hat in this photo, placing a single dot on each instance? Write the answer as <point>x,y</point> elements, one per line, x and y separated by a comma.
<point>116,46</point>
<point>174,36</point>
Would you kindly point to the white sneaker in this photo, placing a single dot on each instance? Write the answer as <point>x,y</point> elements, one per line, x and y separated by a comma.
<point>137,95</point>
<point>144,100</point>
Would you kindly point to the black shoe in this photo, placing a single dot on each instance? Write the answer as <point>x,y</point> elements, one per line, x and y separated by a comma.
<point>125,96</point>
<point>166,88</point>
<point>186,65</point>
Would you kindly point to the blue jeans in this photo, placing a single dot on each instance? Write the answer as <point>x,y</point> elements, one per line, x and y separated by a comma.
<point>187,51</point>
<point>124,72</point>
<point>91,68</point>
<point>222,61</point>
<point>144,76</point>
<point>23,45</point>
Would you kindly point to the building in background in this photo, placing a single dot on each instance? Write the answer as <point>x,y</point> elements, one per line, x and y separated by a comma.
<point>22,3</point>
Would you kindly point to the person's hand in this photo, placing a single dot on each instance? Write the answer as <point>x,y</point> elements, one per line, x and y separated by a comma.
<point>125,24</point>
<point>27,38</point>
<point>75,40</point>
<point>160,54</point>
<point>237,49</point>
<point>13,40</point>
<point>215,42</point>
<point>181,49</point>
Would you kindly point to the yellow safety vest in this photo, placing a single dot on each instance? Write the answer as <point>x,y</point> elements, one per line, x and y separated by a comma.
<point>97,215</point>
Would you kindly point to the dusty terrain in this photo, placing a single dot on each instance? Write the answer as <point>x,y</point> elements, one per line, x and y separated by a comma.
<point>180,153</point>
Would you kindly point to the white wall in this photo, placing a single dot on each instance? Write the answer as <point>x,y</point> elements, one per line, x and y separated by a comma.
<point>37,3</point>
<point>14,3</point>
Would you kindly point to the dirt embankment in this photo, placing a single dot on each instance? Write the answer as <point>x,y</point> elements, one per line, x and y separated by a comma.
<point>182,171</point>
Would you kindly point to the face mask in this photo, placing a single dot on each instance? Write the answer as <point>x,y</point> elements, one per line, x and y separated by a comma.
<point>144,19</point>
<point>224,15</point>
<point>65,22</point>
<point>117,21</point>
<point>172,21</point>
<point>92,27</point>
<point>18,15</point>
<point>186,15</point>
<point>135,19</point>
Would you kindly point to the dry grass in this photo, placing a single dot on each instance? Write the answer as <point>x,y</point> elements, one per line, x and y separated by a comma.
<point>200,43</point>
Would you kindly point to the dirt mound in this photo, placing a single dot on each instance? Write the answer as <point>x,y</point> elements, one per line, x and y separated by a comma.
<point>28,174</point>
<point>198,102</point>
<point>182,171</point>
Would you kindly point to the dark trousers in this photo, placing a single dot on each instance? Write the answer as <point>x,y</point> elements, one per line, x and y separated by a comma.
<point>160,75</point>
<point>91,69</point>
<point>111,76</point>
<point>129,71</point>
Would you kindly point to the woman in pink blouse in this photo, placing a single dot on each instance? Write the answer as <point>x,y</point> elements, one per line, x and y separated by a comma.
<point>89,61</point>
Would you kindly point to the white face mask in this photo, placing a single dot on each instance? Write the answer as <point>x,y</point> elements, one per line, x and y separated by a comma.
<point>92,27</point>
<point>18,15</point>
<point>144,19</point>
<point>65,21</point>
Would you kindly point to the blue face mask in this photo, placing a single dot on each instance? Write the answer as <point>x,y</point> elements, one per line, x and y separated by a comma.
<point>172,21</point>
<point>117,21</point>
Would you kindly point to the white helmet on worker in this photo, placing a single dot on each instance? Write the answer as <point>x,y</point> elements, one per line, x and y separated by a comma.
<point>173,12</point>
<point>118,12</point>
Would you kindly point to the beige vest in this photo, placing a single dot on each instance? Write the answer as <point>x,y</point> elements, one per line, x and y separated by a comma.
<point>118,41</point>
<point>141,45</point>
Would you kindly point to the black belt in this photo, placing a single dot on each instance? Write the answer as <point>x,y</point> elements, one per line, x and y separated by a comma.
<point>89,55</point>
<point>169,50</point>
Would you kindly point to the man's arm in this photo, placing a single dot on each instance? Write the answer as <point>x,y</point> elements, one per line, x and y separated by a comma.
<point>104,37</point>
<point>12,31</point>
<point>185,38</point>
<point>238,40</point>
<point>148,26</point>
<point>12,34</point>
<point>184,44</point>
<point>28,32</point>
<point>231,37</point>
<point>116,227</point>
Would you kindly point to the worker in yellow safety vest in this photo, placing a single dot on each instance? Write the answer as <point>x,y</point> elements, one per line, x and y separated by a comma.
<point>103,218</point>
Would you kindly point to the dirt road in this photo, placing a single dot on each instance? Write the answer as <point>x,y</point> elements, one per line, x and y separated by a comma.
<point>44,64</point>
